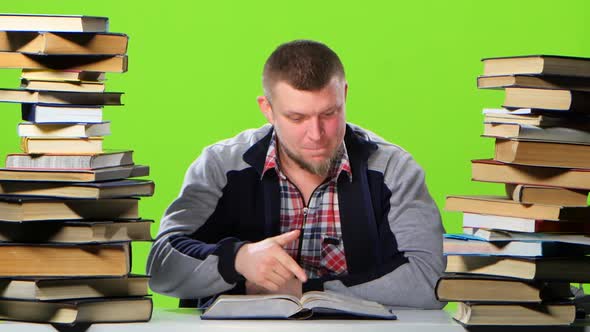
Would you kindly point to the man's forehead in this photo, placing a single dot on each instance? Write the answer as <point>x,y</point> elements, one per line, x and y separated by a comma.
<point>335,82</point>
<point>328,96</point>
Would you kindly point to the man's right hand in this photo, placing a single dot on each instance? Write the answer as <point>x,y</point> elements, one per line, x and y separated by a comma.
<point>267,264</point>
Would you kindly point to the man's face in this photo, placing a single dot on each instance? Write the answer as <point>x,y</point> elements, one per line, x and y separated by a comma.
<point>310,125</point>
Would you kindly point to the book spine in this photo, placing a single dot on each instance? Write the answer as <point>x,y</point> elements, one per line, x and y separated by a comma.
<point>28,112</point>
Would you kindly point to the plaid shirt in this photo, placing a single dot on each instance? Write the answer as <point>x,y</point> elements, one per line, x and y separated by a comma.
<point>320,250</point>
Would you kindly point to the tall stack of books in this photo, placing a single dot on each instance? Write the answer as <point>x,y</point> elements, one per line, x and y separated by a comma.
<point>68,211</point>
<point>519,253</point>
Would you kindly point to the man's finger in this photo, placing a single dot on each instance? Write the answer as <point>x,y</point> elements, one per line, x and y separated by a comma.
<point>269,285</point>
<point>285,238</point>
<point>276,278</point>
<point>282,271</point>
<point>290,264</point>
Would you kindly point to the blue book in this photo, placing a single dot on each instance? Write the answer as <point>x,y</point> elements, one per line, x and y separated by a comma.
<point>471,245</point>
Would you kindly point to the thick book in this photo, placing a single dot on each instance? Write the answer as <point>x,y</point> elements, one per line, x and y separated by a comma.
<point>59,23</point>
<point>463,244</point>
<point>529,194</point>
<point>71,175</point>
<point>488,170</point>
<point>60,97</point>
<point>105,310</point>
<point>48,114</point>
<point>73,288</point>
<point>88,190</point>
<point>62,75</point>
<point>537,65</point>
<point>64,130</point>
<point>566,269</point>
<point>18,209</point>
<point>501,235</point>
<point>533,120</point>
<point>537,153</point>
<point>527,81</point>
<point>528,225</point>
<point>40,145</point>
<point>504,206</point>
<point>64,260</point>
<point>531,117</point>
<point>97,63</point>
<point>535,133</point>
<point>81,86</point>
<point>468,287</point>
<point>504,314</point>
<point>68,231</point>
<point>43,42</point>
<point>547,99</point>
<point>288,306</point>
<point>70,161</point>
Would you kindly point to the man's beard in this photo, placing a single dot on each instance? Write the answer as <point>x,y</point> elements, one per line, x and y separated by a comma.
<point>321,169</point>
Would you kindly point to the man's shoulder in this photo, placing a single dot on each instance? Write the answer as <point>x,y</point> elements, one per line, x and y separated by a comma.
<point>385,149</point>
<point>228,154</point>
<point>240,143</point>
<point>389,159</point>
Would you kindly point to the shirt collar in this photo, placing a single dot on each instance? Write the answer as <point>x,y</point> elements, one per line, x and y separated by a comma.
<point>272,161</point>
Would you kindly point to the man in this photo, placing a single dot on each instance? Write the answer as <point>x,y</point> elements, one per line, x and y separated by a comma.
<point>307,202</point>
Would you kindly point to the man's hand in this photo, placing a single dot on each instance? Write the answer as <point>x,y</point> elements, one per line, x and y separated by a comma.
<point>292,287</point>
<point>266,264</point>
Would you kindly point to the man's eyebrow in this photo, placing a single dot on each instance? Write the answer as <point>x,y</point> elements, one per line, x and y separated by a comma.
<point>333,107</point>
<point>330,108</point>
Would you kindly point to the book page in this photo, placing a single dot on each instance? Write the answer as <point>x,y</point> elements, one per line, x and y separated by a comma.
<point>252,306</point>
<point>334,303</point>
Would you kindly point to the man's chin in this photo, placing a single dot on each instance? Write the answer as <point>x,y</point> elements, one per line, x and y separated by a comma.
<point>316,163</point>
<point>317,167</point>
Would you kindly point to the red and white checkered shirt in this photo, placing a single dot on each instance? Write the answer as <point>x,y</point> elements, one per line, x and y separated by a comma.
<point>320,250</point>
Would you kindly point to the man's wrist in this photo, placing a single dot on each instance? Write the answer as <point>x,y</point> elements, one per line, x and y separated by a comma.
<point>227,252</point>
<point>239,258</point>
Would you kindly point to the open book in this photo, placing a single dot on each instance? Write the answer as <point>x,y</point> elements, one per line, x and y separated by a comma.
<point>290,307</point>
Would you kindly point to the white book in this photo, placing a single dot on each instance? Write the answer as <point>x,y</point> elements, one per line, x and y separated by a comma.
<point>498,222</point>
<point>520,111</point>
<point>528,225</point>
<point>61,114</point>
<point>497,235</point>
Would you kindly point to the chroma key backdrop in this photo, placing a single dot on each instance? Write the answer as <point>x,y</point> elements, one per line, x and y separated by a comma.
<point>195,71</point>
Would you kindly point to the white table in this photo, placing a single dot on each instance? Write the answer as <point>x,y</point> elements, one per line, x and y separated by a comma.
<point>185,320</point>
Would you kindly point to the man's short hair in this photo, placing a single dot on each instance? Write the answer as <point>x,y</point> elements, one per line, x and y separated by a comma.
<point>303,64</point>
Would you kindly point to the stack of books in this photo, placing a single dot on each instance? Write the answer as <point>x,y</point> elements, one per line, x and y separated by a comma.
<point>68,210</point>
<point>519,252</point>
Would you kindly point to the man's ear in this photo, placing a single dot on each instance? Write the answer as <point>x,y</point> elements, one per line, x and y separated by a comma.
<point>265,108</point>
<point>345,90</point>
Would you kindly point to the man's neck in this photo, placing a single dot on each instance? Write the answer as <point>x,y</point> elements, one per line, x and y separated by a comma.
<point>303,179</point>
<point>291,169</point>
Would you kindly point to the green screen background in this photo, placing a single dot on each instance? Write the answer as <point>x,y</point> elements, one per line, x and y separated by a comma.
<point>195,69</point>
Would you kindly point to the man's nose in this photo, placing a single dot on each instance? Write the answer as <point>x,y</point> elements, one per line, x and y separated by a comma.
<point>315,129</point>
